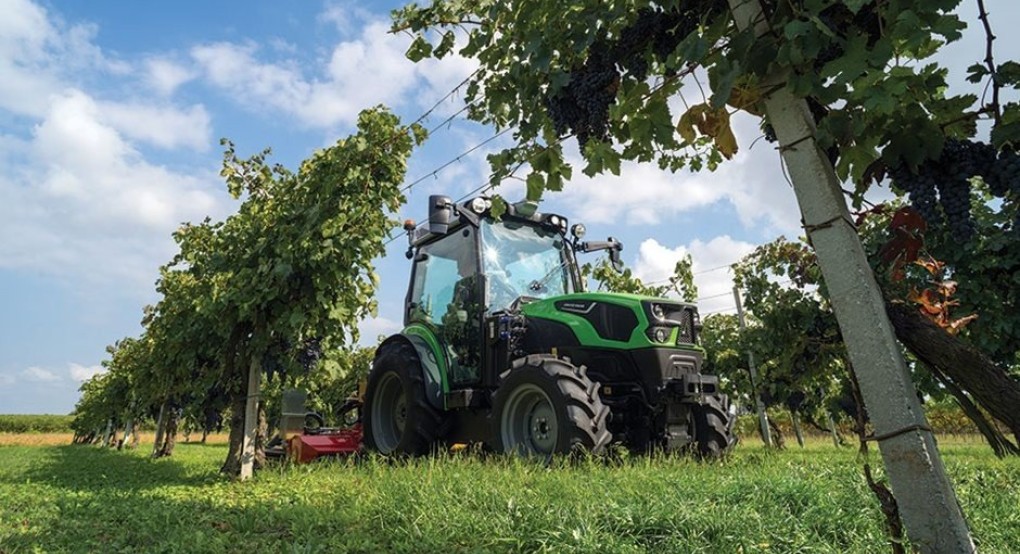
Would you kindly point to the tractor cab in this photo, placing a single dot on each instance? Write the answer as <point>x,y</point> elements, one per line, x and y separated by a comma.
<point>468,266</point>
<point>501,345</point>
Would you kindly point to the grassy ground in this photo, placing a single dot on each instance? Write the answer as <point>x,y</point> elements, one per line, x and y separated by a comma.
<point>82,499</point>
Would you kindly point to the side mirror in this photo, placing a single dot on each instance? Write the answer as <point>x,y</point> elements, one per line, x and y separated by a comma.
<point>440,212</point>
<point>615,247</point>
<point>612,245</point>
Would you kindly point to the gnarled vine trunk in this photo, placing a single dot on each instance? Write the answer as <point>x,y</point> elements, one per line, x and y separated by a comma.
<point>129,429</point>
<point>231,382</point>
<point>170,435</point>
<point>108,433</point>
<point>232,465</point>
<point>261,437</point>
<point>160,429</point>
<point>795,422</point>
<point>778,441</point>
<point>991,387</point>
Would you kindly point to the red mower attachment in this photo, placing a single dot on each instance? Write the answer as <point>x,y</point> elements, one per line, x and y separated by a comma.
<point>303,436</point>
<point>325,442</point>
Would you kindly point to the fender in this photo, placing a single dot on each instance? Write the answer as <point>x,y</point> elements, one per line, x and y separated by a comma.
<point>433,364</point>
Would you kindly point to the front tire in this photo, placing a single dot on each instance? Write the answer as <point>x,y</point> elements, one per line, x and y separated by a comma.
<point>546,406</point>
<point>713,428</point>
<point>398,419</point>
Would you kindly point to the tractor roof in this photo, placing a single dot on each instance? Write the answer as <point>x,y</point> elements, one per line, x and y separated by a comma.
<point>474,210</point>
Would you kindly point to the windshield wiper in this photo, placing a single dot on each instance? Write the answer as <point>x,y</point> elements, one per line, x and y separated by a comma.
<point>538,285</point>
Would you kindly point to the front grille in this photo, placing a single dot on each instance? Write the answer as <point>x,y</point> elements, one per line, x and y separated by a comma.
<point>684,317</point>
<point>610,321</point>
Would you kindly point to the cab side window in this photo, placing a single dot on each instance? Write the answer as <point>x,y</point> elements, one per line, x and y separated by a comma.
<point>445,296</point>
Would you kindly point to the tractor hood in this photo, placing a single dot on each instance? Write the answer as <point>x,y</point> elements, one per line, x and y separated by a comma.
<point>615,320</point>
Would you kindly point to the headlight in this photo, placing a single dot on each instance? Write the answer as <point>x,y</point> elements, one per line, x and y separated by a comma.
<point>554,220</point>
<point>661,334</point>
<point>479,205</point>
<point>658,312</point>
<point>578,230</point>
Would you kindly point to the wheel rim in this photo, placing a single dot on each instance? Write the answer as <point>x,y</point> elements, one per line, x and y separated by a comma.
<point>389,413</point>
<point>528,424</point>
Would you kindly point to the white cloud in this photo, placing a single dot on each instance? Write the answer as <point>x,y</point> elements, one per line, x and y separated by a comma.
<point>26,40</point>
<point>38,53</point>
<point>41,57</point>
<point>25,27</point>
<point>752,182</point>
<point>642,194</point>
<point>233,67</point>
<point>344,16</point>
<point>372,327</point>
<point>86,206</point>
<point>656,261</point>
<point>760,191</point>
<point>40,374</point>
<point>82,373</point>
<point>358,73</point>
<point>165,76</point>
<point>163,126</point>
<point>71,135</point>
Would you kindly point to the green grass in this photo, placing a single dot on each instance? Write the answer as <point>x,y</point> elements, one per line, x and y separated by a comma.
<point>83,499</point>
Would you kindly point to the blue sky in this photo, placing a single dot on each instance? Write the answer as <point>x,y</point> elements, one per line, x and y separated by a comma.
<point>110,117</point>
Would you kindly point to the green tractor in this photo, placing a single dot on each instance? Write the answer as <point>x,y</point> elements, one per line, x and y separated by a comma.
<point>502,346</point>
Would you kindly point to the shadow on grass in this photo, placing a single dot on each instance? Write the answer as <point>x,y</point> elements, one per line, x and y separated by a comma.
<point>198,444</point>
<point>90,469</point>
<point>85,499</point>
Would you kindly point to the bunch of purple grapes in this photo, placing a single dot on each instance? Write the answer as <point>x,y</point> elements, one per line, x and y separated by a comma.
<point>582,105</point>
<point>940,190</point>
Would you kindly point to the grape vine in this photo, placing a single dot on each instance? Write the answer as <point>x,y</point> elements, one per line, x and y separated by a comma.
<point>309,353</point>
<point>582,106</point>
<point>940,189</point>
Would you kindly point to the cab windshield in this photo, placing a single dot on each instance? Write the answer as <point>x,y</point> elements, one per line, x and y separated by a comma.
<point>523,260</point>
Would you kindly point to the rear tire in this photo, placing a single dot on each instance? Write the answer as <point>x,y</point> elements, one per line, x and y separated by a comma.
<point>398,419</point>
<point>713,428</point>
<point>546,406</point>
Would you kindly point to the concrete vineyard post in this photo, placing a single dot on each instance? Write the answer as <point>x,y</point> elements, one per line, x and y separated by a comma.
<point>763,416</point>
<point>928,505</point>
<point>250,420</point>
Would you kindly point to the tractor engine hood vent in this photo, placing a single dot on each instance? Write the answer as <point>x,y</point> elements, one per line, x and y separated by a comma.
<point>610,321</point>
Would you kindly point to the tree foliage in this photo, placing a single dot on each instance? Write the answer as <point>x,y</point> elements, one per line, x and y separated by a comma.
<point>605,72</point>
<point>276,284</point>
<point>108,398</point>
<point>794,334</point>
<point>680,283</point>
<point>784,290</point>
<point>984,274</point>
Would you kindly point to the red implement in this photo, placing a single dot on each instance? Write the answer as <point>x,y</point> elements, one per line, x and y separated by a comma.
<point>305,448</point>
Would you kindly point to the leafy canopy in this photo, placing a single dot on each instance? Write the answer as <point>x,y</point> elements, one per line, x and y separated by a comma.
<point>622,66</point>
